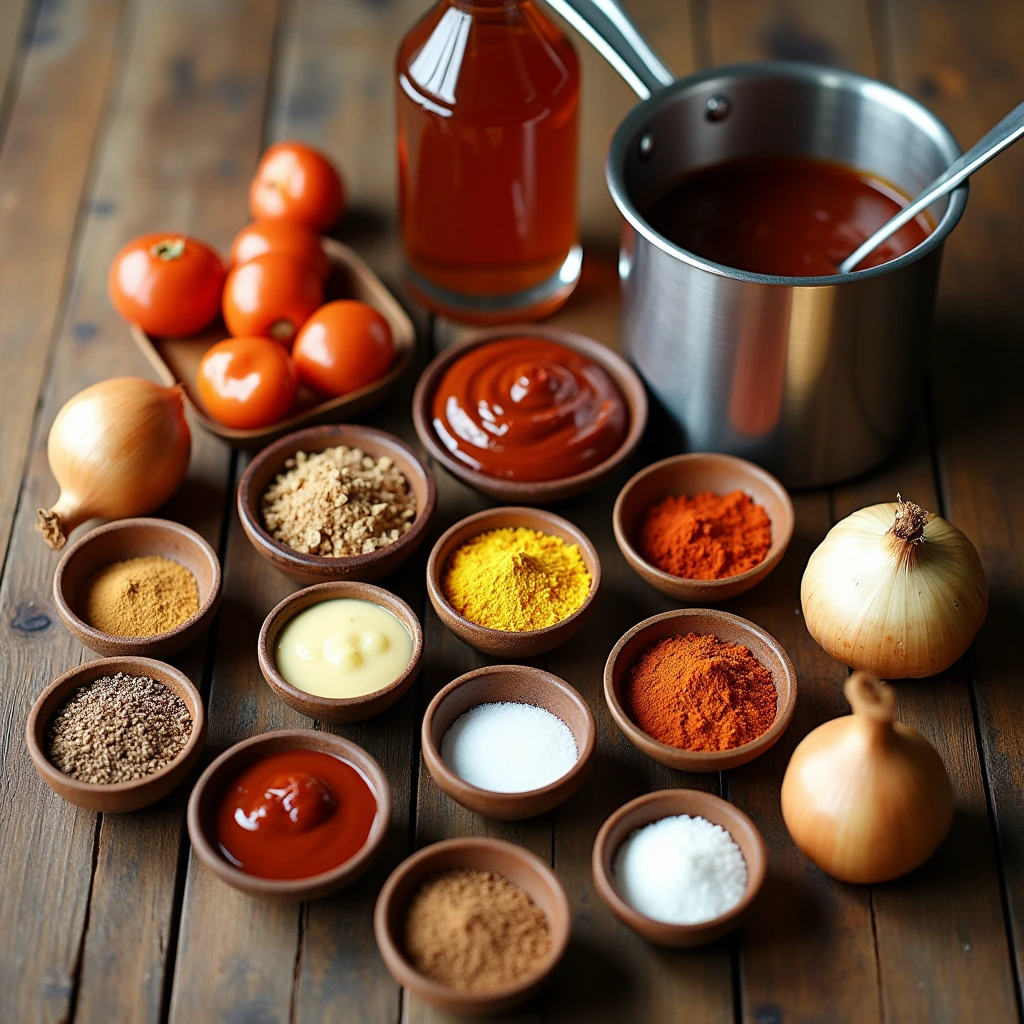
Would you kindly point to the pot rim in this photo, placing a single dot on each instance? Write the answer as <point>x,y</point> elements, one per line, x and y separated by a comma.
<point>824,78</point>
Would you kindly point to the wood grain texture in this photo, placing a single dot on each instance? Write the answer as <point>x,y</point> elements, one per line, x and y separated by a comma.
<point>15,23</point>
<point>963,61</point>
<point>54,119</point>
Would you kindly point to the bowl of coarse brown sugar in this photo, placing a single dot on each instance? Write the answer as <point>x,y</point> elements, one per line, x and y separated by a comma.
<point>472,926</point>
<point>116,734</point>
<point>138,587</point>
<point>338,502</point>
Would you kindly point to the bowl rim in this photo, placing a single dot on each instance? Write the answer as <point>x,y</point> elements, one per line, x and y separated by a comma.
<point>779,544</point>
<point>609,360</point>
<point>438,767</point>
<point>641,740</point>
<point>396,955</point>
<point>294,888</point>
<point>252,520</point>
<point>88,672</point>
<point>79,624</point>
<point>434,569</point>
<point>602,861</point>
<point>325,592</point>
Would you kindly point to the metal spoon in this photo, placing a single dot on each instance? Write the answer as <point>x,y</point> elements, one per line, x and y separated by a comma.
<point>1004,134</point>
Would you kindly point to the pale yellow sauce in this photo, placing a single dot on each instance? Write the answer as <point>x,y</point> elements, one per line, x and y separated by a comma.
<point>343,648</point>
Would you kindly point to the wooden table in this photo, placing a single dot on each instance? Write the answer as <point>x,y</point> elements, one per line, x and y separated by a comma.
<point>124,116</point>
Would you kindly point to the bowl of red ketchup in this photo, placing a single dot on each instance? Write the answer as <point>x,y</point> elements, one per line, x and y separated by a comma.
<point>530,414</point>
<point>290,815</point>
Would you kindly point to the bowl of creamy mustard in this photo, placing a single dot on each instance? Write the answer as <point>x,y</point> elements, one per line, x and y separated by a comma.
<point>341,651</point>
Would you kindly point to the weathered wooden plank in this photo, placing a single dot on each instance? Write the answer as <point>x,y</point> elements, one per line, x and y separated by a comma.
<point>14,26</point>
<point>56,105</point>
<point>964,63</point>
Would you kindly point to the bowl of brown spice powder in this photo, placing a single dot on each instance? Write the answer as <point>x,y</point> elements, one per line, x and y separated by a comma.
<point>338,502</point>
<point>116,734</point>
<point>140,587</point>
<point>472,926</point>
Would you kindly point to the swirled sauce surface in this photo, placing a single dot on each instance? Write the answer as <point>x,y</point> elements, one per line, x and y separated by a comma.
<point>528,409</point>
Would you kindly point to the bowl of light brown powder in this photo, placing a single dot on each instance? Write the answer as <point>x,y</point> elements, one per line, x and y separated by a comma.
<point>339,502</point>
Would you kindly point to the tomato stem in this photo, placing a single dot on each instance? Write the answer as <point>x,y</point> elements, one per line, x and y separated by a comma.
<point>168,249</point>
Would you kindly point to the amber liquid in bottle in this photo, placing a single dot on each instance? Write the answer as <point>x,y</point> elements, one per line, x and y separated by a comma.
<point>488,92</point>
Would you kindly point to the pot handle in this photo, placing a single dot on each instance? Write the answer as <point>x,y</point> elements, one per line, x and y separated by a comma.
<point>613,33</point>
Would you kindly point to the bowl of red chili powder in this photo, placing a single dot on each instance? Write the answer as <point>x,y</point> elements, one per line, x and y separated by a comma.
<point>700,690</point>
<point>703,527</point>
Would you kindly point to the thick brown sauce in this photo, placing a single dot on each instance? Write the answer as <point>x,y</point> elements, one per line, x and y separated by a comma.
<point>791,216</point>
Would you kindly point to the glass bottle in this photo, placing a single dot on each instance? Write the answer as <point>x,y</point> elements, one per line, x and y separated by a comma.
<point>487,97</point>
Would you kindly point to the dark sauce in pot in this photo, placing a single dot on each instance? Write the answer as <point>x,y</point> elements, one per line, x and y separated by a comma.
<point>792,216</point>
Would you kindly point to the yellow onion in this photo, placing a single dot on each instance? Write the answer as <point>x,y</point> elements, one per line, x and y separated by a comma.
<point>119,448</point>
<point>895,590</point>
<point>866,797</point>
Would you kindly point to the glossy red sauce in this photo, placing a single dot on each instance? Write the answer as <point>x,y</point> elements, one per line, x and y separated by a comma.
<point>295,814</point>
<point>787,215</point>
<point>528,409</point>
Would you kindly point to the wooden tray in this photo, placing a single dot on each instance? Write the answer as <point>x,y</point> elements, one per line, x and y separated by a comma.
<point>176,360</point>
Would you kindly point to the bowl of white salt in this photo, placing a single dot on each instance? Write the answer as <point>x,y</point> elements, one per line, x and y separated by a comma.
<point>679,866</point>
<point>508,741</point>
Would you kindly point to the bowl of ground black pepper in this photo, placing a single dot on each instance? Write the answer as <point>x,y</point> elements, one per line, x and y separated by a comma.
<point>116,734</point>
<point>472,926</point>
<point>699,689</point>
<point>138,587</point>
<point>513,582</point>
<point>703,528</point>
<point>339,502</point>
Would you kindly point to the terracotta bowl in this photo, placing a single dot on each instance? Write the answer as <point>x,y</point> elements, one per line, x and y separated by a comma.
<point>265,467</point>
<point>119,796</point>
<point>338,709</point>
<point>541,491</point>
<point>662,804</point>
<point>520,867</point>
<point>499,642</point>
<point>691,474</point>
<point>524,685</point>
<point>730,628</point>
<point>135,538</point>
<point>202,808</point>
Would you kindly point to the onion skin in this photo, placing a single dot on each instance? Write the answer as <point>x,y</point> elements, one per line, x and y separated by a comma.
<point>119,448</point>
<point>894,607</point>
<point>866,798</point>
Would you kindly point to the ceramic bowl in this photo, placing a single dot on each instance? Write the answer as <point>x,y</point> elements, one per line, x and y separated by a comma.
<point>541,491</point>
<point>520,867</point>
<point>338,709</point>
<point>266,466</point>
<point>524,685</point>
<point>499,642</point>
<point>653,807</point>
<point>691,474</point>
<point>202,809</point>
<point>176,360</point>
<point>119,796</point>
<point>136,538</point>
<point>730,628</point>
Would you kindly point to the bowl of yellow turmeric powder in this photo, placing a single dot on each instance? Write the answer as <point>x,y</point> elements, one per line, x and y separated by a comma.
<point>513,582</point>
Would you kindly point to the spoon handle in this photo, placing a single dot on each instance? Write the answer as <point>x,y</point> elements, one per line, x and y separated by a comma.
<point>1004,134</point>
<point>612,32</point>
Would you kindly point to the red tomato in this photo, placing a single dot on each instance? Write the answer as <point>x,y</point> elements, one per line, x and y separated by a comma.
<point>167,284</point>
<point>297,182</point>
<point>247,382</point>
<point>343,346</point>
<point>272,296</point>
<point>284,236</point>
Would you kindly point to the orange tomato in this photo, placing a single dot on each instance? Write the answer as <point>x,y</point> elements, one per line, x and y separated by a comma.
<point>297,182</point>
<point>168,284</point>
<point>247,382</point>
<point>272,295</point>
<point>284,236</point>
<point>343,346</point>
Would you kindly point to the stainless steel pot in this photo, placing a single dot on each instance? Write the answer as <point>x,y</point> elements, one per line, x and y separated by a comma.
<point>814,378</point>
